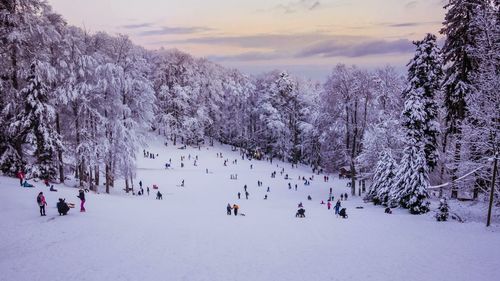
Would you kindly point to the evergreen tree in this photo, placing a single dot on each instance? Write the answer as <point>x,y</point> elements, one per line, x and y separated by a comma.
<point>442,214</point>
<point>383,179</point>
<point>458,49</point>
<point>421,110</point>
<point>410,190</point>
<point>35,120</point>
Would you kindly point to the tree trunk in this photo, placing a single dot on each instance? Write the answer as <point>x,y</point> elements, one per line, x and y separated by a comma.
<point>107,176</point>
<point>59,151</point>
<point>456,163</point>
<point>96,173</point>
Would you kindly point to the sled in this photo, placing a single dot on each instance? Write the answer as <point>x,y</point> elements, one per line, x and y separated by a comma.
<point>71,205</point>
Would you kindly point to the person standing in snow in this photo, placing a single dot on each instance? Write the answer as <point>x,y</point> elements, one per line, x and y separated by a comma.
<point>140,184</point>
<point>337,207</point>
<point>345,196</point>
<point>268,189</point>
<point>239,195</point>
<point>228,209</point>
<point>20,175</point>
<point>147,188</point>
<point>40,199</point>
<point>235,208</point>
<point>329,205</point>
<point>81,195</point>
<point>341,196</point>
<point>246,194</point>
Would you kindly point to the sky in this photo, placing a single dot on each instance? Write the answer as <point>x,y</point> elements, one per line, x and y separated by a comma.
<point>306,37</point>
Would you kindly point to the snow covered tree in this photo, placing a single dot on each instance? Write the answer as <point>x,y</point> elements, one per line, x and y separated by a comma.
<point>383,179</point>
<point>35,120</point>
<point>410,188</point>
<point>443,210</point>
<point>421,109</point>
<point>461,64</point>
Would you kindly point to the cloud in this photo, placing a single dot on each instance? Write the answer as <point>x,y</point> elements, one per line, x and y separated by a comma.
<point>411,4</point>
<point>410,24</point>
<point>166,30</point>
<point>268,41</point>
<point>298,6</point>
<point>137,26</point>
<point>250,56</point>
<point>336,48</point>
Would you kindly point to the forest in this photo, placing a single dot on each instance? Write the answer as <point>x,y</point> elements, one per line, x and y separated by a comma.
<point>80,104</point>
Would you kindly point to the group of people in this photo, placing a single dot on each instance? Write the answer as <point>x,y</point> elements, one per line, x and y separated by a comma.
<point>62,206</point>
<point>148,154</point>
<point>234,208</point>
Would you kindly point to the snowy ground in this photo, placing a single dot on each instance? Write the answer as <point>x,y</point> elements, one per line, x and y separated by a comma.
<point>188,236</point>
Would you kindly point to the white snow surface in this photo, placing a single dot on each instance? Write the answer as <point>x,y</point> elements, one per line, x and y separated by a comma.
<point>188,236</point>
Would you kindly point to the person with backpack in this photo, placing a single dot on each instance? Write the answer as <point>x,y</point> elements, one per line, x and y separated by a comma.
<point>40,199</point>
<point>81,195</point>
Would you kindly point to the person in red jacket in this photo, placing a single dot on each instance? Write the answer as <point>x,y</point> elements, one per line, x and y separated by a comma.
<point>40,199</point>
<point>20,176</point>
<point>329,205</point>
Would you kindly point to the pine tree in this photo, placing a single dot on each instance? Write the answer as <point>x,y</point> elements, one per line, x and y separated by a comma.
<point>383,179</point>
<point>443,210</point>
<point>410,190</point>
<point>35,120</point>
<point>424,79</point>
<point>461,65</point>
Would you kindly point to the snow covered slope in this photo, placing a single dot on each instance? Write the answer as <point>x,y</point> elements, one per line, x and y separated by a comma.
<point>188,236</point>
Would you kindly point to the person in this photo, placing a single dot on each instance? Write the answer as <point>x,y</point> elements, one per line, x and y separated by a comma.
<point>345,196</point>
<point>27,184</point>
<point>52,188</point>
<point>239,195</point>
<point>62,207</point>
<point>159,196</point>
<point>295,187</point>
<point>329,205</point>
<point>300,205</point>
<point>46,182</point>
<point>268,189</point>
<point>246,194</point>
<point>342,196</point>
<point>343,213</point>
<point>388,210</point>
<point>309,197</point>
<point>322,202</point>
<point>265,197</point>
<point>140,184</point>
<point>235,208</point>
<point>182,183</point>
<point>147,189</point>
<point>228,208</point>
<point>245,187</point>
<point>301,213</point>
<point>81,195</point>
<point>20,175</point>
<point>40,199</point>
<point>337,207</point>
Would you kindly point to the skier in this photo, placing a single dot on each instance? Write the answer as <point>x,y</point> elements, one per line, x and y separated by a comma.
<point>81,195</point>
<point>228,208</point>
<point>40,199</point>
<point>235,208</point>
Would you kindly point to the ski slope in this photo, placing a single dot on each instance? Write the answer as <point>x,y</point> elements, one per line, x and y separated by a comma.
<point>188,236</point>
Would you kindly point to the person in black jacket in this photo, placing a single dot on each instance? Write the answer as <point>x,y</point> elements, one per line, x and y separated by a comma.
<point>62,207</point>
<point>81,195</point>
